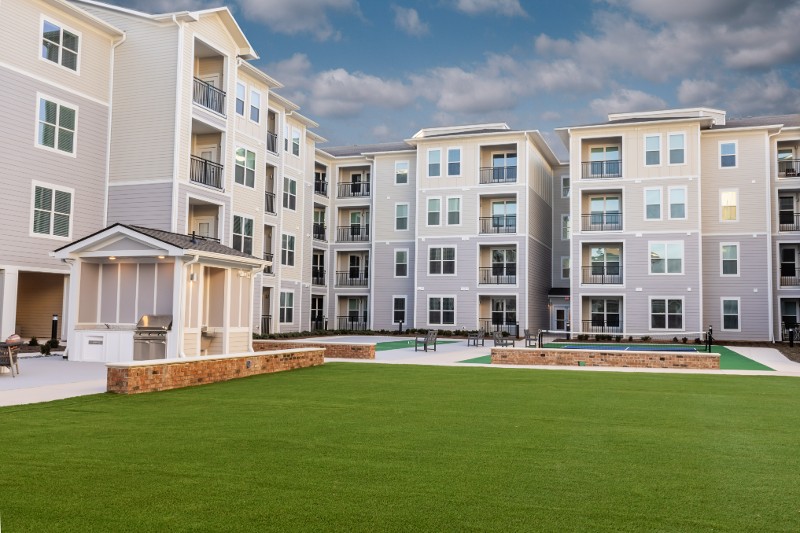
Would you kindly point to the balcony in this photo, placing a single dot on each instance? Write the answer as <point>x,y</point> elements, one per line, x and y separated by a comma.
<point>269,203</point>
<point>498,175</point>
<point>353,190</point>
<point>789,276</point>
<point>208,96</point>
<point>609,221</point>
<point>318,276</point>
<point>601,326</point>
<point>321,188</point>
<point>601,169</point>
<point>272,142</point>
<point>498,275</point>
<point>352,233</point>
<point>499,224</point>
<point>318,232</point>
<point>602,274</point>
<point>354,323</point>
<point>352,278</point>
<point>788,221</point>
<point>266,323</point>
<point>269,269</point>
<point>205,172</point>
<point>789,168</point>
<point>488,325</point>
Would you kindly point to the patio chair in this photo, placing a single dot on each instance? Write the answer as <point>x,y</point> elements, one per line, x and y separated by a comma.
<point>427,340</point>
<point>476,337</point>
<point>530,339</point>
<point>499,340</point>
<point>9,357</point>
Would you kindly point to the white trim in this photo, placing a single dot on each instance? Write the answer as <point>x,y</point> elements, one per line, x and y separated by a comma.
<point>428,163</point>
<point>395,263</point>
<point>738,260</point>
<point>60,103</point>
<point>666,299</point>
<point>666,258</point>
<point>737,205</point>
<point>569,259</point>
<point>255,165</point>
<point>722,301</point>
<point>293,250</point>
<point>243,235</point>
<point>408,172</point>
<point>441,297</point>
<point>405,308</point>
<point>281,292</point>
<point>569,223</point>
<point>460,161</point>
<point>428,211</point>
<point>250,107</point>
<point>53,189</point>
<point>660,203</point>
<point>442,248</point>
<point>447,210</point>
<point>62,27</point>
<point>735,154</point>
<point>669,149</point>
<point>569,192</point>
<point>236,97</point>
<point>644,147</point>
<point>284,191</point>
<point>685,202</point>
<point>408,216</point>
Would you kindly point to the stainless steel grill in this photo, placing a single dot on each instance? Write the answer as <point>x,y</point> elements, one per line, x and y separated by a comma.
<point>150,337</point>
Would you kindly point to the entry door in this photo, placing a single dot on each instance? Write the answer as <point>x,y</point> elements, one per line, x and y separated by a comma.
<point>504,311</point>
<point>355,187</point>
<point>209,153</point>
<point>560,318</point>
<point>355,223</point>
<point>317,266</point>
<point>355,266</point>
<point>205,226</point>
<point>788,264</point>
<point>211,79</point>
<point>356,310</point>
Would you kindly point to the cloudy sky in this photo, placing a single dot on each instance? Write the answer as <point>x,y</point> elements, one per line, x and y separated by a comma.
<point>371,71</point>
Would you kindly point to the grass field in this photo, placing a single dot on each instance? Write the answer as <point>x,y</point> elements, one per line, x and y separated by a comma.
<point>353,447</point>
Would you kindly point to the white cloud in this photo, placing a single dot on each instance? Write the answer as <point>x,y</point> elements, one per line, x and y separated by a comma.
<point>550,115</point>
<point>763,95</point>
<point>168,6</point>
<point>299,16</point>
<point>382,132</point>
<point>508,8</point>
<point>744,12</point>
<point>407,20</point>
<point>293,73</point>
<point>699,93</point>
<point>626,100</point>
<point>338,93</point>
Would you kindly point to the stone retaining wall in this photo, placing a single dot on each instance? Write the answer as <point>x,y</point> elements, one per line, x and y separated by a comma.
<point>344,350</point>
<point>545,356</point>
<point>164,374</point>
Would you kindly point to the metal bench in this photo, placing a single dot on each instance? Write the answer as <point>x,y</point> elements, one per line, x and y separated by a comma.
<point>427,340</point>
<point>530,339</point>
<point>499,340</point>
<point>475,337</point>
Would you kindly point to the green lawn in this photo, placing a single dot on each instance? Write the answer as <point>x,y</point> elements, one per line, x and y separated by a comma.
<point>356,447</point>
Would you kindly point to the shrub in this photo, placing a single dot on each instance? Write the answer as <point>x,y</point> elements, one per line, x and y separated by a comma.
<point>685,339</point>
<point>697,340</point>
<point>54,344</point>
<point>618,338</point>
<point>45,348</point>
<point>33,342</point>
<point>646,338</point>
<point>674,339</point>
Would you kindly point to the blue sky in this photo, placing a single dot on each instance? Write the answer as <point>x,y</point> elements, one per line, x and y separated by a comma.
<point>379,71</point>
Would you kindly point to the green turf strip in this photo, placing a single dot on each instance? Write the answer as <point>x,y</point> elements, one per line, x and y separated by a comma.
<point>353,447</point>
<point>482,360</point>
<point>396,345</point>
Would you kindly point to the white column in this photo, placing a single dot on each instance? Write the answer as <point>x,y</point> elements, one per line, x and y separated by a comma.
<point>9,281</point>
<point>72,299</point>
<point>65,309</point>
<point>226,311</point>
<point>175,338</point>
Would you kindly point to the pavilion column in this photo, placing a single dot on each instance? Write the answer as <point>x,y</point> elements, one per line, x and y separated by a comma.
<point>9,282</point>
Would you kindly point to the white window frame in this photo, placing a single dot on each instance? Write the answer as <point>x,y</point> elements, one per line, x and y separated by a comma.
<point>281,307</point>
<point>646,151</point>
<point>296,141</point>
<point>565,225</point>
<point>397,172</point>
<point>243,235</point>
<point>722,208</point>
<point>660,203</point>
<point>671,134</point>
<point>243,87</point>
<point>442,261</point>
<point>407,217</point>
<point>244,175</point>
<point>59,103</point>
<point>62,27</point>
<point>735,155</point>
<point>567,259</point>
<point>292,250</point>
<point>287,196</point>
<point>254,94</point>
<point>667,258</point>
<point>685,202</point>
<point>459,162</point>
<point>722,260</point>
<point>460,204</point>
<point>567,188</point>
<point>441,298</point>
<point>53,188</point>
<point>428,211</point>
<point>666,299</point>
<point>738,301</point>
<point>405,308</point>
<point>394,271</point>
<point>428,162</point>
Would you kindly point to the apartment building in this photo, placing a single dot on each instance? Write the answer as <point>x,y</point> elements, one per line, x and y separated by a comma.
<point>675,224</point>
<point>55,65</point>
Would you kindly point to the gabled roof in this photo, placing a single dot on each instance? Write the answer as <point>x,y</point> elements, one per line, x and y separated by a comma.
<point>85,16</point>
<point>361,149</point>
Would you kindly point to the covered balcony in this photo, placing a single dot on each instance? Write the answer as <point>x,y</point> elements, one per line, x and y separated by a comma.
<point>601,314</point>
<point>353,226</point>
<point>498,164</point>
<point>209,78</point>
<point>602,264</point>
<point>352,269</point>
<point>498,265</point>
<point>498,313</point>
<point>205,167</point>
<point>601,211</point>
<point>272,132</point>
<point>601,158</point>
<point>788,162</point>
<point>789,268</point>
<point>354,182</point>
<point>203,219</point>
<point>352,313</point>
<point>268,250</point>
<point>498,214</point>
<point>321,179</point>
<point>269,191</point>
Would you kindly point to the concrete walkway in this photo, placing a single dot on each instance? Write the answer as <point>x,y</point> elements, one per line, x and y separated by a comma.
<point>43,379</point>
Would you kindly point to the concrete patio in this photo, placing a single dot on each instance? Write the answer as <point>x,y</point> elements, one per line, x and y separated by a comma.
<point>43,379</point>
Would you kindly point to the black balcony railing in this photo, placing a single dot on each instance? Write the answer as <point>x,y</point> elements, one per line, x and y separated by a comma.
<point>498,174</point>
<point>499,224</point>
<point>352,233</point>
<point>352,190</point>
<point>788,221</point>
<point>498,275</point>
<point>610,221</point>
<point>608,325</point>
<point>352,278</point>
<point>318,231</point>
<point>318,323</point>
<point>321,188</point>
<point>602,274</point>
<point>269,203</point>
<point>789,280</point>
<point>266,324</point>
<point>272,142</point>
<point>205,172</point>
<point>269,269</point>
<point>209,96</point>
<point>601,169</point>
<point>489,325</point>
<point>318,276</point>
<point>789,168</point>
<point>352,322</point>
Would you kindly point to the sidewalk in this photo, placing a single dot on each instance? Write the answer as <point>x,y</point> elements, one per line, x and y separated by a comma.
<point>43,379</point>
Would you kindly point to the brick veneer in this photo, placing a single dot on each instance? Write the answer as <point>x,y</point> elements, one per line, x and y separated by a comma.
<point>164,374</point>
<point>344,350</point>
<point>545,356</point>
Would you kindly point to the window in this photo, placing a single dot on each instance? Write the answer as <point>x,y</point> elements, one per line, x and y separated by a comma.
<point>605,162</point>
<point>730,314</point>
<point>442,261</point>
<point>286,134</point>
<point>434,211</point>
<point>60,45</point>
<point>453,211</point>
<point>504,216</point>
<point>240,92</point>
<point>52,211</point>
<point>287,308</point>
<point>245,171</point>
<point>604,313</point>
<point>652,150</point>
<point>677,148</point>
<point>295,141</point>
<point>441,310</point>
<point>677,203</point>
<point>504,266</point>
<point>401,217</point>
<point>401,263</point>
<point>434,163</point>
<point>57,124</point>
<point>287,250</point>
<point>729,257</point>
<point>565,187</point>
<point>398,309</point>
<point>564,227</point>
<point>243,234</point>
<point>255,106</point>
<point>289,194</point>
<point>652,204</point>
<point>728,200</point>
<point>727,154</point>
<point>401,172</point>
<point>666,258</point>
<point>454,161</point>
<point>666,313</point>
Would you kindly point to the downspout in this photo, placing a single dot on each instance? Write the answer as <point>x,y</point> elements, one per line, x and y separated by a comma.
<point>110,117</point>
<point>182,353</point>
<point>770,294</point>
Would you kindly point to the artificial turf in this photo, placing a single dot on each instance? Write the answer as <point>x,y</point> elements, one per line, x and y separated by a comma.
<point>353,447</point>
<point>396,345</point>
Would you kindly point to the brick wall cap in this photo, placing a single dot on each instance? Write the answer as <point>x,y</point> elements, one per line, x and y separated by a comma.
<point>179,360</point>
<point>321,343</point>
<point>648,352</point>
